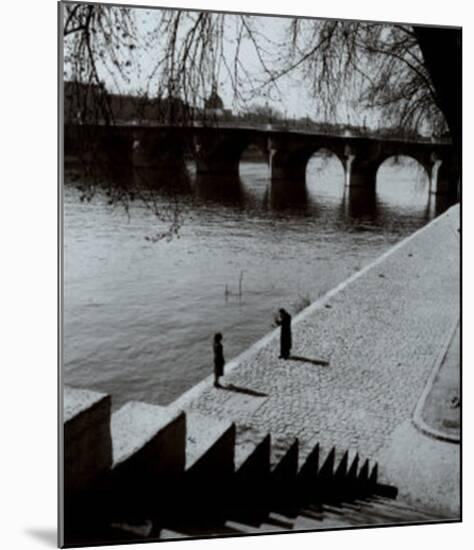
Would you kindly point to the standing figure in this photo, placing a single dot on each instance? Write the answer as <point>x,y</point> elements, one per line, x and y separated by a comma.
<point>219,360</point>
<point>285,333</point>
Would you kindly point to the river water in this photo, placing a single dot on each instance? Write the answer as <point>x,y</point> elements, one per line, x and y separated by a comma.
<point>139,316</point>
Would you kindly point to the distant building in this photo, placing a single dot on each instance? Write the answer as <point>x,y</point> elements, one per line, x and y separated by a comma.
<point>82,102</point>
<point>91,103</point>
<point>214,106</point>
<point>172,110</point>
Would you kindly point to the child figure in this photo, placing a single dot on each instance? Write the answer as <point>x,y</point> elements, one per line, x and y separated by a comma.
<point>219,360</point>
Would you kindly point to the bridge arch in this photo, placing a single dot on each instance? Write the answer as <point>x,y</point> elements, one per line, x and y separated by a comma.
<point>325,165</point>
<point>220,150</point>
<point>415,162</point>
<point>441,170</point>
<point>403,180</point>
<point>289,161</point>
<point>362,166</point>
<point>254,157</point>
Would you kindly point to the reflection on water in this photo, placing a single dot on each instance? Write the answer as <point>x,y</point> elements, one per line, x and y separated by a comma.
<point>360,205</point>
<point>139,316</point>
<point>291,196</point>
<point>217,189</point>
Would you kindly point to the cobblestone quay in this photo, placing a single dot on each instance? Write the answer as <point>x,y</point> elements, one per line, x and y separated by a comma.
<point>380,331</point>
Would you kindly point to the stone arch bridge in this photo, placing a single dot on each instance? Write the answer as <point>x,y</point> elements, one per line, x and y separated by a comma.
<point>218,149</point>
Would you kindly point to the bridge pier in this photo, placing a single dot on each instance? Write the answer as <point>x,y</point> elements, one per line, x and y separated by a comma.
<point>97,145</point>
<point>359,202</point>
<point>216,153</point>
<point>223,188</point>
<point>288,166</point>
<point>435,182</point>
<point>359,174</point>
<point>444,177</point>
<point>360,164</point>
<point>215,165</point>
<point>164,152</point>
<point>363,179</point>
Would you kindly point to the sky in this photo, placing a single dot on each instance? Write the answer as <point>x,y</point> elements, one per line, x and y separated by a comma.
<point>293,100</point>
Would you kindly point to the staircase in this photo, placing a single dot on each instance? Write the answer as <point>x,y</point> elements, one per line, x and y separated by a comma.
<point>171,474</point>
<point>355,513</point>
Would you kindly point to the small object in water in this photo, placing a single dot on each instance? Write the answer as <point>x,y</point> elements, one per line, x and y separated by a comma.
<point>382,275</point>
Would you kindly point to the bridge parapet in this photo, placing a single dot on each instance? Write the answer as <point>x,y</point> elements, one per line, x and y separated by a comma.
<point>289,126</point>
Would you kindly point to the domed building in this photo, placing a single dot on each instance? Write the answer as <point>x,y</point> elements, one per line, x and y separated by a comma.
<point>214,106</point>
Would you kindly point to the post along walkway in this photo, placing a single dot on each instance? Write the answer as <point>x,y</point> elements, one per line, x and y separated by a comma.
<point>381,333</point>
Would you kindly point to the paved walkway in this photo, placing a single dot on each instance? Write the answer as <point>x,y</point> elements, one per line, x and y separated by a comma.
<point>381,332</point>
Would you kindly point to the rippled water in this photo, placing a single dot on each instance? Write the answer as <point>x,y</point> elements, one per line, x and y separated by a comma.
<point>139,316</point>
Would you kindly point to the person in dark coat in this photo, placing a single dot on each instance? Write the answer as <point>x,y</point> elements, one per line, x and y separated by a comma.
<point>219,360</point>
<point>284,321</point>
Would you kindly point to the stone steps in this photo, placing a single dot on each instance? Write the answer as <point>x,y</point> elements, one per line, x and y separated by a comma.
<point>86,436</point>
<point>148,444</point>
<point>377,512</point>
<point>251,477</point>
<point>241,527</point>
<point>209,446</point>
<point>380,502</point>
<point>87,461</point>
<point>189,473</point>
<point>148,439</point>
<point>252,451</point>
<point>206,485</point>
<point>380,511</point>
<point>307,473</point>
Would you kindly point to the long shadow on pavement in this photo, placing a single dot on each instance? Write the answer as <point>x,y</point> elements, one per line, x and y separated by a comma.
<point>247,391</point>
<point>318,362</point>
